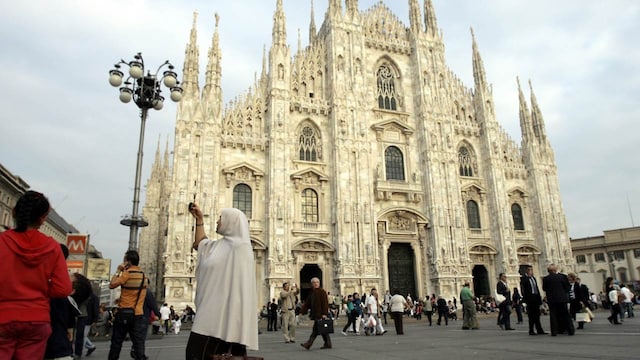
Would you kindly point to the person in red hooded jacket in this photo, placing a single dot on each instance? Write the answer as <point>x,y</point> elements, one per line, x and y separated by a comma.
<point>32,271</point>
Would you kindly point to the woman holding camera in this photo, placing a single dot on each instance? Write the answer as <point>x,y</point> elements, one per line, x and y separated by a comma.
<point>226,288</point>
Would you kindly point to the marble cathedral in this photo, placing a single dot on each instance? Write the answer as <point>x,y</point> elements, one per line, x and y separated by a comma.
<point>360,159</point>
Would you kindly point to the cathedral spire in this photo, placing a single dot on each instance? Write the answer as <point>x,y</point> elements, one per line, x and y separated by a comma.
<point>525,118</point>
<point>536,118</point>
<point>352,8</point>
<point>279,33</point>
<point>430,21</point>
<point>415,16</point>
<point>166,166</point>
<point>190,69</point>
<point>335,8</point>
<point>263,75</point>
<point>479,75</point>
<point>299,41</point>
<point>155,168</point>
<point>212,89</point>
<point>312,26</point>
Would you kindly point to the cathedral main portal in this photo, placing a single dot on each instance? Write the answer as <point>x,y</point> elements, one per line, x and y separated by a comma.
<point>481,285</point>
<point>401,267</point>
<point>308,272</point>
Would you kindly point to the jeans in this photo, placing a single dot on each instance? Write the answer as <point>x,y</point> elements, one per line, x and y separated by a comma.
<point>629,306</point>
<point>87,343</point>
<point>136,331</point>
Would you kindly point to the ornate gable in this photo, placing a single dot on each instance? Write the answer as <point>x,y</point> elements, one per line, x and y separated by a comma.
<point>392,130</point>
<point>243,172</point>
<point>473,192</point>
<point>308,177</point>
<point>383,30</point>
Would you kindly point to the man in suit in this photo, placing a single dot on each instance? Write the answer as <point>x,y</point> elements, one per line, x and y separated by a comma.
<point>504,316</point>
<point>557,288</point>
<point>531,297</point>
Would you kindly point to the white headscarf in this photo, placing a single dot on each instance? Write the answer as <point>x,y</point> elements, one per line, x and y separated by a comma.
<point>226,304</point>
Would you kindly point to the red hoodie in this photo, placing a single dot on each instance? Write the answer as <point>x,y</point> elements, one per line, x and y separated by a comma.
<point>32,270</point>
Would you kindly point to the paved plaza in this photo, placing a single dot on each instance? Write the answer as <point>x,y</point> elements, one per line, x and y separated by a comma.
<point>599,340</point>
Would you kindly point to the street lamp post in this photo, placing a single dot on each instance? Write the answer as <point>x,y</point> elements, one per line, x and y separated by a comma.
<point>145,92</point>
<point>612,265</point>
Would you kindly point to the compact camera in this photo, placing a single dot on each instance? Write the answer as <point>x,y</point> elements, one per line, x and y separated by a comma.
<point>191,205</point>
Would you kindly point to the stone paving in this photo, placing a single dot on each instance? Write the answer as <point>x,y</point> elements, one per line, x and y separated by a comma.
<point>599,340</point>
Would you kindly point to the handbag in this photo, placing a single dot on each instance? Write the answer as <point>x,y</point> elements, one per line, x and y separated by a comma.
<point>591,316</point>
<point>583,317</point>
<point>324,326</point>
<point>371,322</point>
<point>500,298</point>
<point>125,316</point>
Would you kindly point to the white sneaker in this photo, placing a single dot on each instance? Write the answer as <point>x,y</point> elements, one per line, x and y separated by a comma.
<point>344,333</point>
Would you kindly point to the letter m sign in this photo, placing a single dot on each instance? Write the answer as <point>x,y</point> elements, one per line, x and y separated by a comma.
<point>77,243</point>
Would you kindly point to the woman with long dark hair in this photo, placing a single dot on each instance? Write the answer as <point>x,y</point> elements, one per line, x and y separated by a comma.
<point>33,270</point>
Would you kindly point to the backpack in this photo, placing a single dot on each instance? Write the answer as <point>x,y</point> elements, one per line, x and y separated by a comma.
<point>621,297</point>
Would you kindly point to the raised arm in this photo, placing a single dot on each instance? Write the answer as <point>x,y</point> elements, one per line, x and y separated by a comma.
<point>200,234</point>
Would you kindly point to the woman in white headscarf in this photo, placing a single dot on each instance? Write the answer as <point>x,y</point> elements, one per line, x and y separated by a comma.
<point>226,288</point>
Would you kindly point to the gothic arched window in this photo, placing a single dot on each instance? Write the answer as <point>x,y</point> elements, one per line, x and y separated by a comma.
<point>307,142</point>
<point>473,215</point>
<point>309,205</point>
<point>394,163</point>
<point>516,214</point>
<point>466,161</point>
<point>386,88</point>
<point>242,199</point>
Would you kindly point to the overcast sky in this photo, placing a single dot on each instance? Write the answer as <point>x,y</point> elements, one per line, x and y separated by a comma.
<point>65,132</point>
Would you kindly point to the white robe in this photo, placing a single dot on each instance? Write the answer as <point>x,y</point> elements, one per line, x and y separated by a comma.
<point>226,304</point>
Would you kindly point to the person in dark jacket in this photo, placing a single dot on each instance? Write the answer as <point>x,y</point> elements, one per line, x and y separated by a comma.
<point>577,299</point>
<point>443,310</point>
<point>531,296</point>
<point>93,308</point>
<point>150,306</point>
<point>557,287</point>
<point>82,296</point>
<point>318,303</point>
<point>504,316</point>
<point>63,319</point>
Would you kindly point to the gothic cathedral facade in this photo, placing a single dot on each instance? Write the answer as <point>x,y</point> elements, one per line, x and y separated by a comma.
<point>360,159</point>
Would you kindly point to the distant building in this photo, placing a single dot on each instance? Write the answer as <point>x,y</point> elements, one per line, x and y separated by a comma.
<point>11,188</point>
<point>615,254</point>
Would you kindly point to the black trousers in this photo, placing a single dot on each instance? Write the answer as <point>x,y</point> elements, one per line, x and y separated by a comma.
<point>135,330</point>
<point>350,321</point>
<point>442,314</point>
<point>201,347</point>
<point>81,321</point>
<point>429,314</point>
<point>397,320</point>
<point>559,319</point>
<point>314,335</point>
<point>533,312</point>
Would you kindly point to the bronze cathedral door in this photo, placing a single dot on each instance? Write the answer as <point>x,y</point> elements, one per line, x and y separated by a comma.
<point>401,263</point>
